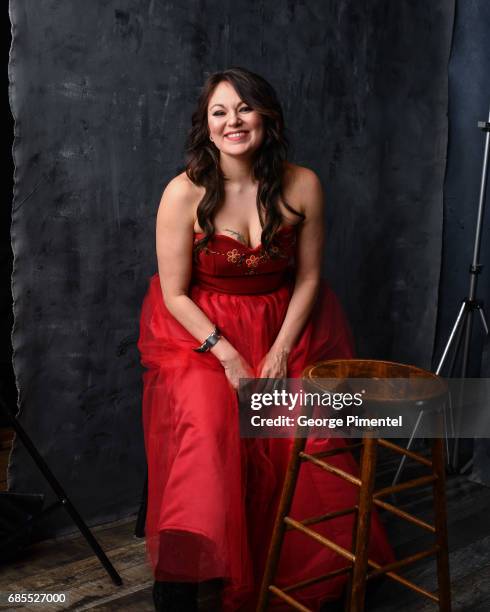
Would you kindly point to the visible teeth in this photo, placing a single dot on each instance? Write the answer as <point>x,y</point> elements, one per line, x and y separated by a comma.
<point>235,134</point>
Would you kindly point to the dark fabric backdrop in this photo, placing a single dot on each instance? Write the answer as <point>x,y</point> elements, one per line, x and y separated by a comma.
<point>102,95</point>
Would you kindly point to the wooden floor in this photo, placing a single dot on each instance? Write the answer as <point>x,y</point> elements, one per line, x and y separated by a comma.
<point>67,564</point>
<point>468,506</point>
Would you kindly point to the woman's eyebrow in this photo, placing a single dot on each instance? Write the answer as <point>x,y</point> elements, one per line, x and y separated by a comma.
<point>222,105</point>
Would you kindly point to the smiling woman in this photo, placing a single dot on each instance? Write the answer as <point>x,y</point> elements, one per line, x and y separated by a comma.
<point>238,294</point>
<point>232,122</point>
<point>239,118</point>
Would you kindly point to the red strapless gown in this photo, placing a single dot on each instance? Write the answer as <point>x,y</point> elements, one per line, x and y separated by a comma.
<point>212,496</point>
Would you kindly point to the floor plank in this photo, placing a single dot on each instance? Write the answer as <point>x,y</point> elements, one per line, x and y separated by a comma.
<point>67,563</point>
<point>84,579</point>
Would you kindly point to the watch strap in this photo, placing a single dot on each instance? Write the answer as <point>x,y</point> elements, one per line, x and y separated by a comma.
<point>210,341</point>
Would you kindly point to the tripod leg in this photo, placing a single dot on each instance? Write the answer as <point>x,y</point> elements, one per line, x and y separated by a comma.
<point>60,492</point>
<point>464,372</point>
<point>447,408</point>
<point>466,466</point>
<point>457,345</point>
<point>451,368</point>
<point>92,542</point>
<point>408,447</point>
<point>451,337</point>
<point>455,337</point>
<point>483,319</point>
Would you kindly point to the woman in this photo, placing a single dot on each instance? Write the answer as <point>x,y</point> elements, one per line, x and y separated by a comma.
<point>239,242</point>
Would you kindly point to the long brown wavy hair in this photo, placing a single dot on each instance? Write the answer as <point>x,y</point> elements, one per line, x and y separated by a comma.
<point>203,166</point>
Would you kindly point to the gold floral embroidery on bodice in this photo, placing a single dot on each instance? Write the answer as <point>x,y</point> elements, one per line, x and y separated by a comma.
<point>226,265</point>
<point>247,258</point>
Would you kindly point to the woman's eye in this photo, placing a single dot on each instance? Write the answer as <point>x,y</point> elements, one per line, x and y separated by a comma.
<point>245,109</point>
<point>218,113</point>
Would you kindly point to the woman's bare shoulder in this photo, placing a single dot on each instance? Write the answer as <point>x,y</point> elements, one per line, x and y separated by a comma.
<point>181,196</point>
<point>302,187</point>
<point>182,188</point>
<point>299,176</point>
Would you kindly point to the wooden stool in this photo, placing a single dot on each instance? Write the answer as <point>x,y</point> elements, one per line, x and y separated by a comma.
<point>358,561</point>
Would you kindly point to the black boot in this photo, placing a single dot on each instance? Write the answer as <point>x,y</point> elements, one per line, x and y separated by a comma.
<point>175,596</point>
<point>210,595</point>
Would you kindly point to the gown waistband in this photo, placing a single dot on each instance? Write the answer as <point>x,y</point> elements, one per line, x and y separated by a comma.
<point>251,284</point>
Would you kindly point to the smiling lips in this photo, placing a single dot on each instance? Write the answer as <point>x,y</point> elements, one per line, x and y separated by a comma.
<point>236,136</point>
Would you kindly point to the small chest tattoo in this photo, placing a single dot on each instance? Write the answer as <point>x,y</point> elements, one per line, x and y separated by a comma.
<point>240,237</point>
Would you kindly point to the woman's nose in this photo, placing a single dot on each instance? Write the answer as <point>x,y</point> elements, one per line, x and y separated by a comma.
<point>234,119</point>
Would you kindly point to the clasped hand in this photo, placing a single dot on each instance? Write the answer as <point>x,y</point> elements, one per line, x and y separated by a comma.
<point>235,368</point>
<point>274,365</point>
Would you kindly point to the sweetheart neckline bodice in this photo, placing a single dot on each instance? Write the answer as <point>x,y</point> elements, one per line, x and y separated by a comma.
<point>287,228</point>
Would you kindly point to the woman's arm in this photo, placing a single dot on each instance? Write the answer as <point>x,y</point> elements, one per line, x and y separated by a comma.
<point>308,271</point>
<point>174,242</point>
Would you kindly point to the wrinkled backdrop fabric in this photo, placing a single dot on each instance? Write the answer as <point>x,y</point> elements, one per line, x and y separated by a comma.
<point>102,95</point>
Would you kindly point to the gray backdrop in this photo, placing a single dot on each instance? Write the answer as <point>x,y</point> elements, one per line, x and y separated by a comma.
<point>102,95</point>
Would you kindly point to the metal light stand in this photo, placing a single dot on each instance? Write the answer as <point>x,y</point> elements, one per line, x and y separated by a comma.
<point>62,502</point>
<point>463,324</point>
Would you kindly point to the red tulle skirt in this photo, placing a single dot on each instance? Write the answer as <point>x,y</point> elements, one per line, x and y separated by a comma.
<point>213,496</point>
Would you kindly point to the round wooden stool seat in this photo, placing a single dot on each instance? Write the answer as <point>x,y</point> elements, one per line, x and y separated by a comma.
<point>423,387</point>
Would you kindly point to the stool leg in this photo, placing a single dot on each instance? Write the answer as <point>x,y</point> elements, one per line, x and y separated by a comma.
<point>359,572</point>
<point>348,588</point>
<point>279,525</point>
<point>440,522</point>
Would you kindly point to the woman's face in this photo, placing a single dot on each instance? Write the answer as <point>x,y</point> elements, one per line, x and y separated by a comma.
<point>234,127</point>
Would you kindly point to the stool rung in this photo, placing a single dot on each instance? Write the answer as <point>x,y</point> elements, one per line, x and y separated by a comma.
<point>327,516</point>
<point>331,468</point>
<point>408,583</point>
<point>403,562</point>
<point>350,557</point>
<point>405,515</point>
<point>337,451</point>
<point>304,583</point>
<point>404,451</point>
<point>343,552</point>
<point>288,599</point>
<point>408,484</point>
